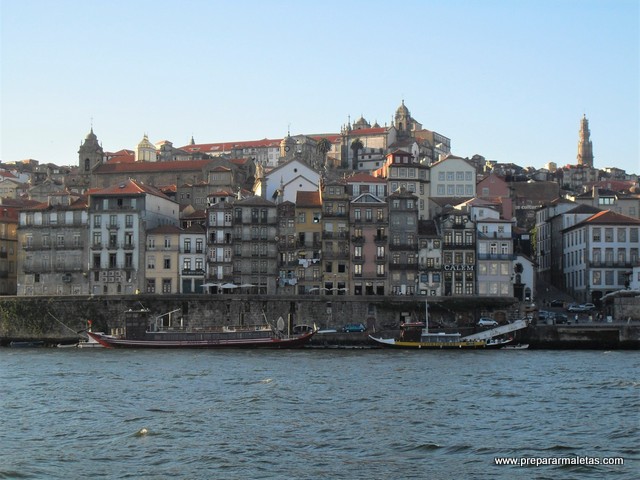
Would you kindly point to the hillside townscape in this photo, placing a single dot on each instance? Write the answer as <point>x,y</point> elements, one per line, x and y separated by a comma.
<point>371,210</point>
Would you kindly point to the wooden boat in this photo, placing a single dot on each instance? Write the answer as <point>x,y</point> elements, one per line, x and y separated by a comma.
<point>416,335</point>
<point>433,341</point>
<point>139,334</point>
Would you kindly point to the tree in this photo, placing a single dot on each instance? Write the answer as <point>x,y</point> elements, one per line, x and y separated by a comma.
<point>356,146</point>
<point>323,147</point>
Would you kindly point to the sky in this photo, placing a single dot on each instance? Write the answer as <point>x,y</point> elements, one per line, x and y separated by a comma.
<point>509,80</point>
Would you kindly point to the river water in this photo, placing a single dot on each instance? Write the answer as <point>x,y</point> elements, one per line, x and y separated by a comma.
<point>316,413</point>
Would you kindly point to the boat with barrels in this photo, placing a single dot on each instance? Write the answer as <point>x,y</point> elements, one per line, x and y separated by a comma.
<point>139,332</point>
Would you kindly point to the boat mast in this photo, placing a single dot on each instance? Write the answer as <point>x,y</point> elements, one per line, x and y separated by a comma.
<point>426,316</point>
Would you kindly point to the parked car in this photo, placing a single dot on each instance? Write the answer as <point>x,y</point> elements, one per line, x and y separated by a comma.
<point>588,306</point>
<point>354,327</point>
<point>561,318</point>
<point>487,322</point>
<point>575,308</point>
<point>557,303</point>
<point>543,315</point>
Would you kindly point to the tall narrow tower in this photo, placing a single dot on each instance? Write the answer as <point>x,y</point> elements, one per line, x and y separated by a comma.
<point>585,148</point>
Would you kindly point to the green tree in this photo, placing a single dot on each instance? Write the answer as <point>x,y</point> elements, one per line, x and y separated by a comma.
<point>323,147</point>
<point>356,146</point>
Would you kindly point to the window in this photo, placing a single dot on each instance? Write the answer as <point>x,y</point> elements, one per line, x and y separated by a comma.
<point>166,285</point>
<point>357,270</point>
<point>97,239</point>
<point>357,252</point>
<point>187,245</point>
<point>151,262</point>
<point>97,221</point>
<point>608,234</point>
<point>167,263</point>
<point>129,221</point>
<point>380,269</point>
<point>596,234</point>
<point>167,242</point>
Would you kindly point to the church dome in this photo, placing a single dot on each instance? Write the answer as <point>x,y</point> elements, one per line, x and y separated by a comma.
<point>402,109</point>
<point>361,123</point>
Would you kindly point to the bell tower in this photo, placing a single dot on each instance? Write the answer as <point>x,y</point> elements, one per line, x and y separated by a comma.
<point>585,148</point>
<point>90,154</point>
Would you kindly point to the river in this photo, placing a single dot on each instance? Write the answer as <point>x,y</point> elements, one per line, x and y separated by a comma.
<point>316,413</point>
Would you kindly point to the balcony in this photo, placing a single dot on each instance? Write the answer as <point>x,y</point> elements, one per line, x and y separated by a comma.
<point>358,258</point>
<point>458,246</point>
<point>332,214</point>
<point>380,239</point>
<point>403,246</point>
<point>403,266</point>
<point>610,264</point>
<point>330,255</point>
<point>357,240</point>
<point>97,246</point>
<point>496,256</point>
<point>113,226</point>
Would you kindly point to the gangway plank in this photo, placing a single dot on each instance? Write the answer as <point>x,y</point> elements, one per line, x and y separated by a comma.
<point>501,330</point>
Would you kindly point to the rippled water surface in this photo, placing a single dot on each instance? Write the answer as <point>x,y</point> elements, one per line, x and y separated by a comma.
<point>312,414</point>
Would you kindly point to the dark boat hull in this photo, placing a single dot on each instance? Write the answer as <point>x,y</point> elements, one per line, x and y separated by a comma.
<point>187,340</point>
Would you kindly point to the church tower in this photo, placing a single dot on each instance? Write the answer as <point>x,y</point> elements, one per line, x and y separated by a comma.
<point>402,120</point>
<point>90,154</point>
<point>146,151</point>
<point>585,148</point>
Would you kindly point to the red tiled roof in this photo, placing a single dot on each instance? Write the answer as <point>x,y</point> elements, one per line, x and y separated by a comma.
<point>308,199</point>
<point>608,217</point>
<point>122,156</point>
<point>368,131</point>
<point>364,178</point>
<point>165,229</point>
<point>225,146</point>
<point>130,187</point>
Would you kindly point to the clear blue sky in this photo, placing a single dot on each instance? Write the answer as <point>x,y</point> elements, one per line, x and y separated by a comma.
<point>507,80</point>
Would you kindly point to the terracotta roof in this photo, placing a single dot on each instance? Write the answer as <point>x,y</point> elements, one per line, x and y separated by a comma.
<point>225,146</point>
<point>194,228</point>
<point>256,200</point>
<point>222,193</point>
<point>364,178</point>
<point>122,156</point>
<point>608,217</point>
<point>332,137</point>
<point>308,199</point>
<point>130,187</point>
<point>368,131</point>
<point>164,229</point>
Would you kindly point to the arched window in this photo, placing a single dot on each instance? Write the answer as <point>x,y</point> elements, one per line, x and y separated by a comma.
<point>87,165</point>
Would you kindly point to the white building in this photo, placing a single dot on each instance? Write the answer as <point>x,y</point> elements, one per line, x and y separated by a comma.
<point>119,217</point>
<point>288,178</point>
<point>192,259</point>
<point>495,257</point>
<point>599,254</point>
